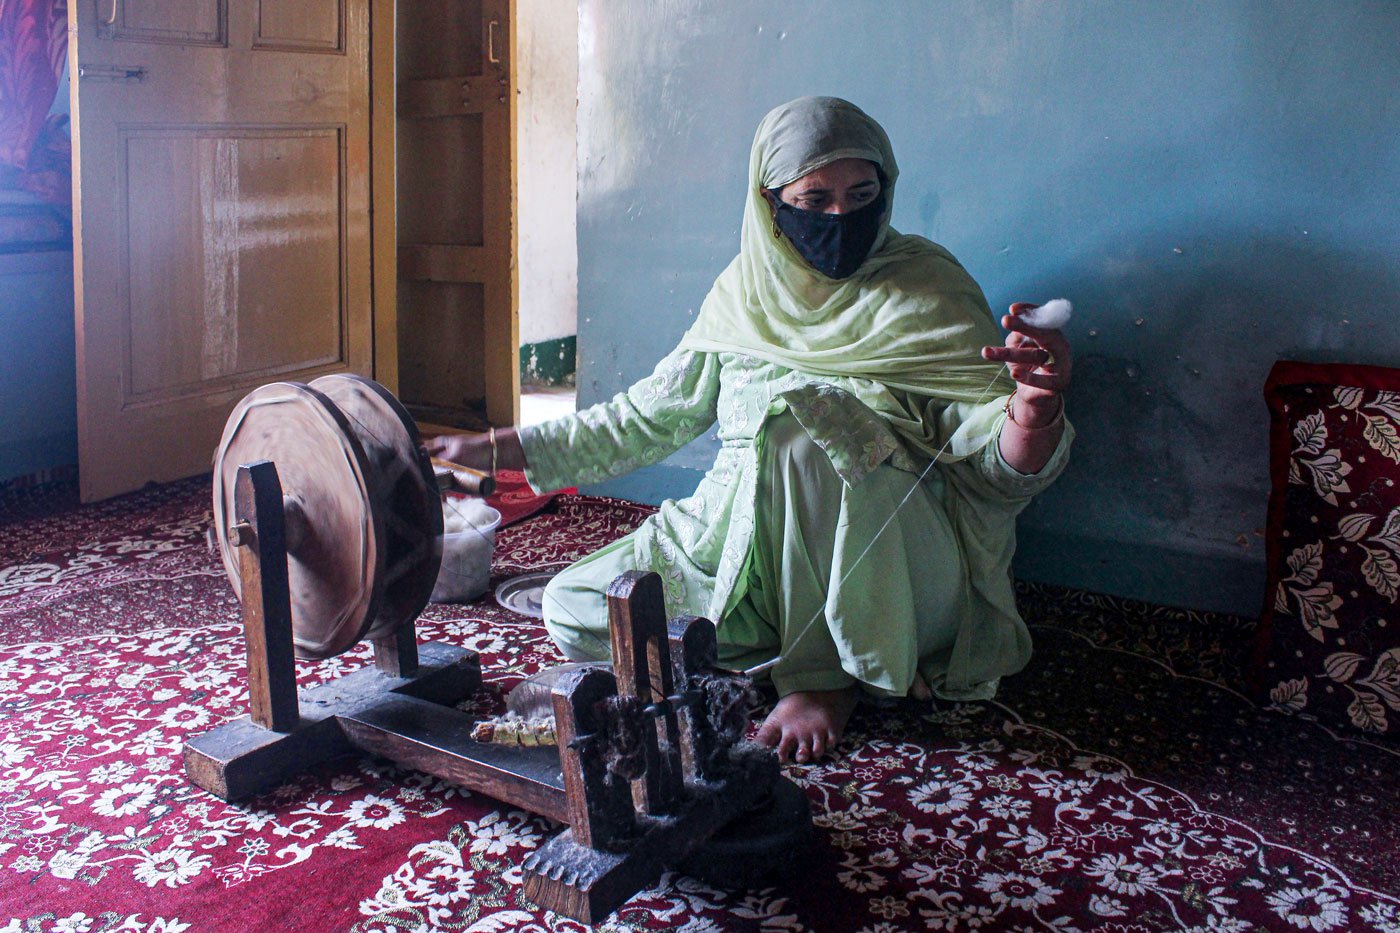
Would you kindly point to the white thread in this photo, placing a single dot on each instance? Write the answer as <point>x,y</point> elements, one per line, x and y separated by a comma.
<point>875,537</point>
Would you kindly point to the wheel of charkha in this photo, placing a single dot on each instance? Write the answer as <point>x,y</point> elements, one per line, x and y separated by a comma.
<point>404,492</point>
<point>336,539</point>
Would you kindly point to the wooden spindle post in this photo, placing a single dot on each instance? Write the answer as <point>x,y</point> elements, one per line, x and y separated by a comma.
<point>694,649</point>
<point>642,665</point>
<point>260,534</point>
<point>396,654</point>
<point>600,809</point>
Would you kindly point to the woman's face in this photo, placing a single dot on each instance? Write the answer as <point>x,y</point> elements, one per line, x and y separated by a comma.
<point>836,188</point>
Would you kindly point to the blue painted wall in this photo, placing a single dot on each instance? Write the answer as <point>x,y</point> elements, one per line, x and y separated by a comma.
<point>1214,184</point>
<point>38,382</point>
<point>38,401</point>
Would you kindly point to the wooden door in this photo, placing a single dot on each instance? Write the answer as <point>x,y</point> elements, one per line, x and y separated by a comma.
<point>458,346</point>
<point>222,224</point>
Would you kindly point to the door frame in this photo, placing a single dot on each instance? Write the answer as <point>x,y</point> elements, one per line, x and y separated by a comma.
<point>383,200</point>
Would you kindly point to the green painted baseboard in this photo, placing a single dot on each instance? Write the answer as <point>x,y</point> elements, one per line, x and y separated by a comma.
<point>549,362</point>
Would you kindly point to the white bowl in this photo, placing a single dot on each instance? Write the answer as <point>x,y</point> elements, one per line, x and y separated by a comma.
<point>466,555</point>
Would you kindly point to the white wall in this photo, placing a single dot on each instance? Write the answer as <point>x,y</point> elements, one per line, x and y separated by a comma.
<point>547,72</point>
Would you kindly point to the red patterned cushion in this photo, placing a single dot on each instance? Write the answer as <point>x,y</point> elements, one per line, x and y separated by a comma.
<point>1329,639</point>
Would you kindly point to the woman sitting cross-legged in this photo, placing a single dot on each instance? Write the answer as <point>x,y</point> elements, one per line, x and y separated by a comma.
<point>878,439</point>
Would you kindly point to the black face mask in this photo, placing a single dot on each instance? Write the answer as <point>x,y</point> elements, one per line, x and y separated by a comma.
<point>833,244</point>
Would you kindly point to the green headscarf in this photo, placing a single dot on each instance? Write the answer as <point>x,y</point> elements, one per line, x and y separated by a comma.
<point>906,330</point>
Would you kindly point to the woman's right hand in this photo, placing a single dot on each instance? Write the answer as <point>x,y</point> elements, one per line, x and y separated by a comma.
<point>474,450</point>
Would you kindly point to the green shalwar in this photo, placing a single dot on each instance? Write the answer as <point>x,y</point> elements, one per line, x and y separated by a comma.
<point>859,519</point>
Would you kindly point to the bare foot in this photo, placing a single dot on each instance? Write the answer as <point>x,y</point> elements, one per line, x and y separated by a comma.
<point>919,689</point>
<point>804,726</point>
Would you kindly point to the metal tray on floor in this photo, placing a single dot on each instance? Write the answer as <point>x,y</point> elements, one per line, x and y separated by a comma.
<point>525,594</point>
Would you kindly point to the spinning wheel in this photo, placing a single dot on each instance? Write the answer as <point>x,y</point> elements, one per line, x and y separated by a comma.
<point>329,525</point>
<point>360,503</point>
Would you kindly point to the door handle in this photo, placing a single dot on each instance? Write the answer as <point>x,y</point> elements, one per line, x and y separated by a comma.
<point>111,17</point>
<point>491,55</point>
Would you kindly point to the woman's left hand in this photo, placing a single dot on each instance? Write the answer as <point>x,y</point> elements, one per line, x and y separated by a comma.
<point>1040,361</point>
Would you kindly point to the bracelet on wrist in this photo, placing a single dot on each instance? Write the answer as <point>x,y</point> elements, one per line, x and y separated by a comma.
<point>1010,409</point>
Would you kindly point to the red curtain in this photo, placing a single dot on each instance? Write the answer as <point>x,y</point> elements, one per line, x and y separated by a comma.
<point>35,152</point>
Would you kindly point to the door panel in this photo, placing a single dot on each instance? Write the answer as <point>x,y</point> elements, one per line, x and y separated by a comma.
<point>440,180</point>
<point>222,218</point>
<point>192,21</point>
<point>433,371</point>
<point>244,212</point>
<point>440,39</point>
<point>294,25</point>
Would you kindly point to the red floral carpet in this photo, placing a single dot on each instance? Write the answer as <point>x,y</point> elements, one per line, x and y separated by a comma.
<point>1120,783</point>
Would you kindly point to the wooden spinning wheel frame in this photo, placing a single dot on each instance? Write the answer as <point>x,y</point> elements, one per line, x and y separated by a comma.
<point>328,521</point>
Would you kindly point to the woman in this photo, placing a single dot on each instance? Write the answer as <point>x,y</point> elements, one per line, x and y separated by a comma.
<point>859,521</point>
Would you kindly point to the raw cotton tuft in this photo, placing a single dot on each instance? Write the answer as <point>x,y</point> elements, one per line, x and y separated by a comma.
<point>1052,315</point>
